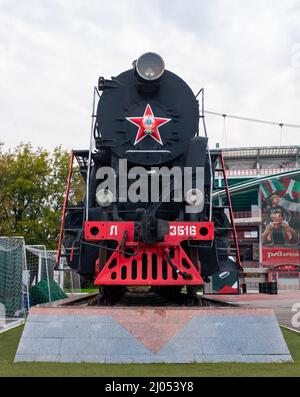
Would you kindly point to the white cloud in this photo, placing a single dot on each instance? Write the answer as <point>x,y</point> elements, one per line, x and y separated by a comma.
<point>52,53</point>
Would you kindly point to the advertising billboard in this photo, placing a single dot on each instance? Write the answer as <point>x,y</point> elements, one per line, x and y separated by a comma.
<point>280,202</point>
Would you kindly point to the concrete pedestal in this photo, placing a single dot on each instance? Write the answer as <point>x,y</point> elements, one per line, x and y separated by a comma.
<point>151,335</point>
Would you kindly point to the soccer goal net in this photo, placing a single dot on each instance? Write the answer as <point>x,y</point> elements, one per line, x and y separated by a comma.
<point>49,282</point>
<point>14,298</point>
<point>29,275</point>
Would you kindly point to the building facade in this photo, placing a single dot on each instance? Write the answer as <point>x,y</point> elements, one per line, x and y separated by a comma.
<point>265,192</point>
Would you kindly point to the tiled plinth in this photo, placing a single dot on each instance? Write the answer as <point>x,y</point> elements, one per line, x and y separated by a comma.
<point>152,335</point>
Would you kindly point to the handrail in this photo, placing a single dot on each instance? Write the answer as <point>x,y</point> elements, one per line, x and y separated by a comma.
<point>62,223</point>
<point>253,183</point>
<point>231,212</point>
<point>90,154</point>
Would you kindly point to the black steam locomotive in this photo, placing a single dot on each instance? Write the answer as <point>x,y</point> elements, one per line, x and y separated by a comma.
<point>148,216</point>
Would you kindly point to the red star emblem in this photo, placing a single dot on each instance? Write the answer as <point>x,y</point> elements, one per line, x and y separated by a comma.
<point>148,125</point>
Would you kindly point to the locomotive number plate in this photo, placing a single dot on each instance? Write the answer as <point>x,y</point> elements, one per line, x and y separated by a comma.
<point>183,231</point>
<point>178,231</point>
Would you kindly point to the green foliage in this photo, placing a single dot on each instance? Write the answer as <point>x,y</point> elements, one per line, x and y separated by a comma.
<point>32,188</point>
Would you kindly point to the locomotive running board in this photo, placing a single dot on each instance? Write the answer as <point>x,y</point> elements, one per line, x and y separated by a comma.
<point>135,263</point>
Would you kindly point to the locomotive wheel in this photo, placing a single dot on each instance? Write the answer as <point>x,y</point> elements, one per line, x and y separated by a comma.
<point>192,297</point>
<point>171,293</point>
<point>168,290</point>
<point>102,258</point>
<point>110,295</point>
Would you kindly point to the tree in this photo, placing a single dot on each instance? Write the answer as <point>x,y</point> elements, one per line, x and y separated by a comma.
<point>32,189</point>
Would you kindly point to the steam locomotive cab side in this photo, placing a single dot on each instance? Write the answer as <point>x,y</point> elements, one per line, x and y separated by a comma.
<point>148,218</point>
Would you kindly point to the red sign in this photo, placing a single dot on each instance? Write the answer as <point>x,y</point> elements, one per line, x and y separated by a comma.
<point>280,256</point>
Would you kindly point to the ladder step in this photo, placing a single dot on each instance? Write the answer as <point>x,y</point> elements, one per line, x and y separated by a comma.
<point>216,207</point>
<point>224,228</point>
<point>75,208</point>
<point>73,230</point>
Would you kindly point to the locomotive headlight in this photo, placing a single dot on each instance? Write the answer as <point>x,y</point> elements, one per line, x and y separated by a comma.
<point>104,197</point>
<point>150,66</point>
<point>194,197</point>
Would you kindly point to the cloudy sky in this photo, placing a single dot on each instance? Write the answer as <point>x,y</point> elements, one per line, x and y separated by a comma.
<point>246,54</point>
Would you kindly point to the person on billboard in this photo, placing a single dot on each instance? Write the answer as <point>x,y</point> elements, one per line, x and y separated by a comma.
<point>273,206</point>
<point>278,232</point>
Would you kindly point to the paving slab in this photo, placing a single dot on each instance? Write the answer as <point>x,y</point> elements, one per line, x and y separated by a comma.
<point>285,305</point>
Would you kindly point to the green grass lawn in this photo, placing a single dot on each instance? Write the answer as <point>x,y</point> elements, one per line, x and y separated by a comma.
<point>9,342</point>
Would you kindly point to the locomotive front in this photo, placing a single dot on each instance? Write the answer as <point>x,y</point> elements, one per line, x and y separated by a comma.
<point>147,218</point>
